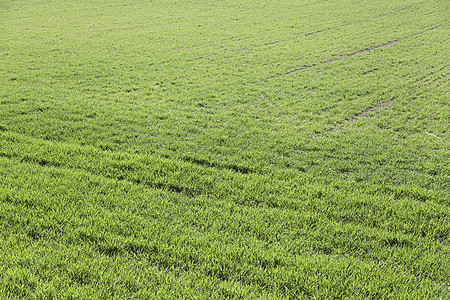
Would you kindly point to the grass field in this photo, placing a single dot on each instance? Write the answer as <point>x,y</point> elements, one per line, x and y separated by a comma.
<point>224,149</point>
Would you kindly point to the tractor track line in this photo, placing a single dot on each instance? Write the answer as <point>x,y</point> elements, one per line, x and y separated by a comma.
<point>359,52</point>
<point>342,57</point>
<point>306,34</point>
<point>366,112</point>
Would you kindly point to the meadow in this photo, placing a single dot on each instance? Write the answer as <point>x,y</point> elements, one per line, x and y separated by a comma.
<point>168,149</point>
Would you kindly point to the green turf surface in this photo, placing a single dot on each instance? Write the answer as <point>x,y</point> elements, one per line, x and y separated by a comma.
<point>224,149</point>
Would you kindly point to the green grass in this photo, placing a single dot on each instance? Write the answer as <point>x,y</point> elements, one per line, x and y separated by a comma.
<point>203,149</point>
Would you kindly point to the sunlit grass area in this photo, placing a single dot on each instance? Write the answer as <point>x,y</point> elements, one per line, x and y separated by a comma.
<point>224,149</point>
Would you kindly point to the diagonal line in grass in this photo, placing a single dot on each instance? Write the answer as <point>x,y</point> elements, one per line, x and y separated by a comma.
<point>359,52</point>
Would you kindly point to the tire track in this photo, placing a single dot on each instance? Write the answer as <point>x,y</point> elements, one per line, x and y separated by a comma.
<point>430,75</point>
<point>344,56</point>
<point>359,52</point>
<point>381,105</point>
<point>366,112</point>
<point>363,114</point>
<point>306,34</point>
<point>362,20</point>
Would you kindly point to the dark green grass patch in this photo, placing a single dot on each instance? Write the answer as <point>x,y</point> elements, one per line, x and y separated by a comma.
<point>265,250</point>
